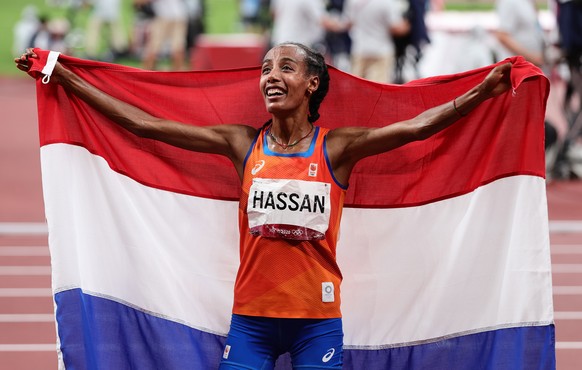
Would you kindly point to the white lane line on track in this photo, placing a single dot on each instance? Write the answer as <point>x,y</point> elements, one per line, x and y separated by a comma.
<point>566,226</point>
<point>27,317</point>
<point>568,345</point>
<point>566,248</point>
<point>567,290</point>
<point>28,347</point>
<point>24,270</point>
<point>23,228</point>
<point>10,251</point>
<point>568,315</point>
<point>26,292</point>
<point>567,268</point>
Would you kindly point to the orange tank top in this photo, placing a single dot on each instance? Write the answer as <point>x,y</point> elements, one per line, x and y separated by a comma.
<point>289,217</point>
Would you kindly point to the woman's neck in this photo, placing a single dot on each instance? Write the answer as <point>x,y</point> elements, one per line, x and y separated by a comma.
<point>287,134</point>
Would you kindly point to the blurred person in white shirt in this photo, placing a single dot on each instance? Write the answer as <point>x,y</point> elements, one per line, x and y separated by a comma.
<point>25,28</point>
<point>168,27</point>
<point>105,19</point>
<point>302,21</point>
<point>372,24</point>
<point>519,31</point>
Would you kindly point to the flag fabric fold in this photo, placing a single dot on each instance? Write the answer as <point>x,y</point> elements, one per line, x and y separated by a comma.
<point>444,243</point>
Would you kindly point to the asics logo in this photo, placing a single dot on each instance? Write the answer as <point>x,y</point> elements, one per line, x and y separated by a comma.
<point>258,166</point>
<point>328,355</point>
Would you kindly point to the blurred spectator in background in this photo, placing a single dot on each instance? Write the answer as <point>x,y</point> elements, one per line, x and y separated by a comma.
<point>436,5</point>
<point>569,158</point>
<point>373,24</point>
<point>168,29</point>
<point>255,16</point>
<point>408,47</point>
<point>338,42</point>
<point>25,28</point>
<point>520,33</point>
<point>250,11</point>
<point>105,23</point>
<point>303,21</point>
<point>51,34</point>
<point>71,7</point>
<point>519,30</point>
<point>195,23</point>
<point>58,30</point>
<point>41,37</point>
<point>569,18</point>
<point>143,12</point>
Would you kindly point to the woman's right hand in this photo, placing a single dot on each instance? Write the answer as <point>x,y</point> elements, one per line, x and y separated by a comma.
<point>23,62</point>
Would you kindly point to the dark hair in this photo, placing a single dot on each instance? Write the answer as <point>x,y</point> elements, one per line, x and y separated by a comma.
<point>316,66</point>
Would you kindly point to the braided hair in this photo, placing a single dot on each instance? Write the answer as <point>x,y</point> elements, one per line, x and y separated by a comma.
<point>316,66</point>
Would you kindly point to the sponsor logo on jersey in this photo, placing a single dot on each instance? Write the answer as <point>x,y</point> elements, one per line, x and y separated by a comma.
<point>328,355</point>
<point>312,170</point>
<point>327,292</point>
<point>258,166</point>
<point>226,352</point>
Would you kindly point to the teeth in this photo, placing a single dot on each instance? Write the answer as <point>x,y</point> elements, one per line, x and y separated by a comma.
<point>271,92</point>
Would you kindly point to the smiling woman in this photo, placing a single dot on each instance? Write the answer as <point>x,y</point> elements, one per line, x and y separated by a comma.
<point>302,67</point>
<point>294,177</point>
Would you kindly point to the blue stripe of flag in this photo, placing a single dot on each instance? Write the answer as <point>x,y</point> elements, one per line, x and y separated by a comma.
<point>98,333</point>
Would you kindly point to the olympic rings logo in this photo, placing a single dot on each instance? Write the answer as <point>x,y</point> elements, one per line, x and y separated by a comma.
<point>297,232</point>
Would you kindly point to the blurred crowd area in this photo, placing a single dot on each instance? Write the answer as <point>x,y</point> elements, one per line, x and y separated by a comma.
<point>388,41</point>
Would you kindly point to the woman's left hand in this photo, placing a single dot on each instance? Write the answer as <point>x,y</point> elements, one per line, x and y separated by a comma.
<point>497,81</point>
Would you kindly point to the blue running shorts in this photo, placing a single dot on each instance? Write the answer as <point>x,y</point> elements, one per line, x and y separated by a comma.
<point>256,343</point>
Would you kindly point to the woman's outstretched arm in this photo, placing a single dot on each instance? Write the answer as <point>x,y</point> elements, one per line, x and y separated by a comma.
<point>231,141</point>
<point>346,146</point>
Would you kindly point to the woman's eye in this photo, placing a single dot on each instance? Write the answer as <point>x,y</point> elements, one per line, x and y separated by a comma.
<point>266,70</point>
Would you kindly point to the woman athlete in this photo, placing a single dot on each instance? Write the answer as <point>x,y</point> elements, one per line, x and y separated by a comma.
<point>294,176</point>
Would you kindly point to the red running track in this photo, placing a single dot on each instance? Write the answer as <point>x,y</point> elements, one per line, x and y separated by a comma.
<point>27,330</point>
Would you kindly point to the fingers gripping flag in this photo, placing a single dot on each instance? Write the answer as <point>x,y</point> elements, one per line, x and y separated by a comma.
<point>444,243</point>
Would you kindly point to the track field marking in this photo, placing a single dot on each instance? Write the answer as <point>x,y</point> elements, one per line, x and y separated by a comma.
<point>23,228</point>
<point>568,315</point>
<point>23,317</point>
<point>566,248</point>
<point>26,292</point>
<point>568,345</point>
<point>10,251</point>
<point>567,268</point>
<point>566,226</point>
<point>567,290</point>
<point>24,270</point>
<point>28,347</point>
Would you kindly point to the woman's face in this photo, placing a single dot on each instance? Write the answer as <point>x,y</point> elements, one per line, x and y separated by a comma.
<point>284,82</point>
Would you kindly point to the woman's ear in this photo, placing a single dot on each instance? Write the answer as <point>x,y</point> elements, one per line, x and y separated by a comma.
<point>313,84</point>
